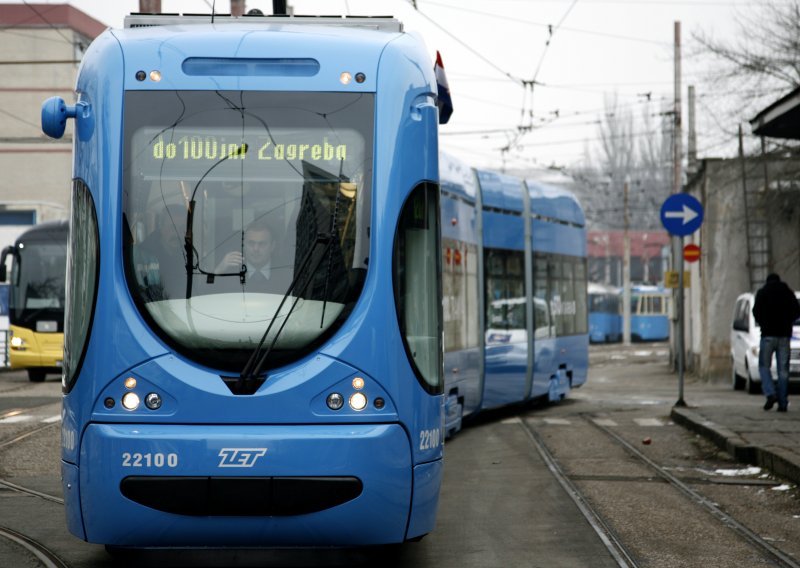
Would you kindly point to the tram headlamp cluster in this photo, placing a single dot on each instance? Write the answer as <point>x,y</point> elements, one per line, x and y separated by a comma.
<point>17,342</point>
<point>155,75</point>
<point>346,77</point>
<point>131,400</point>
<point>358,401</point>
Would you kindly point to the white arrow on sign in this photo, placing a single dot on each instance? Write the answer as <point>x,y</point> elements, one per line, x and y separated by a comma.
<point>687,214</point>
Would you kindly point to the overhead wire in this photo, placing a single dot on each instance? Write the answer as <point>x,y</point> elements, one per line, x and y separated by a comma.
<point>467,46</point>
<point>549,26</point>
<point>48,22</point>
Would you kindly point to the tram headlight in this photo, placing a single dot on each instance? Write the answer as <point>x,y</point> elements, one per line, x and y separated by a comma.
<point>130,401</point>
<point>17,342</point>
<point>345,78</point>
<point>335,401</point>
<point>155,76</point>
<point>358,401</point>
<point>130,383</point>
<point>152,401</point>
<point>358,383</point>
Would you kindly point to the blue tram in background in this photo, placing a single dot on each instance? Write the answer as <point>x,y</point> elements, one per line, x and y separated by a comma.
<point>650,307</point>
<point>605,313</point>
<point>253,351</point>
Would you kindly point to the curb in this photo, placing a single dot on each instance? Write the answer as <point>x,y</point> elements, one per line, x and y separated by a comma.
<point>777,460</point>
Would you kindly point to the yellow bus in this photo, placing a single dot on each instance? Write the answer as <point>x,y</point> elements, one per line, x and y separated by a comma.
<point>36,299</point>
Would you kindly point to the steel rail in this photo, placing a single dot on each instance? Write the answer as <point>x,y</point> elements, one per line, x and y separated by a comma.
<point>608,537</point>
<point>47,557</point>
<point>752,538</point>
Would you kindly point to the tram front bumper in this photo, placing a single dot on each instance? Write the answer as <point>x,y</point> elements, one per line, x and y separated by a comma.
<point>165,485</point>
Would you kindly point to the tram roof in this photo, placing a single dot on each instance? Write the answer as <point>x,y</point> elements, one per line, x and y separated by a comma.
<point>457,177</point>
<point>244,53</point>
<point>555,203</point>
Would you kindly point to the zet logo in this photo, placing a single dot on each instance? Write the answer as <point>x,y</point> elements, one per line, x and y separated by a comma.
<point>240,457</point>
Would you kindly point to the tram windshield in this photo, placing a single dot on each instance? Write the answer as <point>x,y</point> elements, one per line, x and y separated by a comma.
<point>226,196</point>
<point>38,275</point>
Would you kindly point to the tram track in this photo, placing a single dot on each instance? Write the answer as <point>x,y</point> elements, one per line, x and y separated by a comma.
<point>607,535</point>
<point>46,557</point>
<point>43,555</point>
<point>18,437</point>
<point>609,538</point>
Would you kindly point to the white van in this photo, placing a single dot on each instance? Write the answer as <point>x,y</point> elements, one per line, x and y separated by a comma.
<point>745,339</point>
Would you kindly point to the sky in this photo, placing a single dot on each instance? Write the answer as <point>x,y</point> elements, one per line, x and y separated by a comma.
<point>579,54</point>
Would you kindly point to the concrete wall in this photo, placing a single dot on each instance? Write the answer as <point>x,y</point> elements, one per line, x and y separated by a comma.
<point>722,273</point>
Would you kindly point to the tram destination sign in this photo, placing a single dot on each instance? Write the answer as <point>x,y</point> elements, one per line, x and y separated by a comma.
<point>191,152</point>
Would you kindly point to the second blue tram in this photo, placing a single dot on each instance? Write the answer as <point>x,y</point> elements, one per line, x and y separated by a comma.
<point>650,307</point>
<point>514,282</point>
<point>605,313</point>
<point>253,349</point>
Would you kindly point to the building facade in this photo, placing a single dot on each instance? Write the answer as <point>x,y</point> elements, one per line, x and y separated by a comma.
<point>42,46</point>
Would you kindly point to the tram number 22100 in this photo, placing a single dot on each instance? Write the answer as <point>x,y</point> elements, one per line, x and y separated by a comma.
<point>429,439</point>
<point>149,460</point>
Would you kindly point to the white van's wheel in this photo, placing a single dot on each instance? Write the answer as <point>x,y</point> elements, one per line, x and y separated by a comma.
<point>737,380</point>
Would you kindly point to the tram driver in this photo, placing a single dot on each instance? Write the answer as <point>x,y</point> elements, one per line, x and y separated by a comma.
<point>263,273</point>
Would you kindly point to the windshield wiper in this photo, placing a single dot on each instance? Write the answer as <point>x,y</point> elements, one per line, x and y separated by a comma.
<point>256,361</point>
<point>189,235</point>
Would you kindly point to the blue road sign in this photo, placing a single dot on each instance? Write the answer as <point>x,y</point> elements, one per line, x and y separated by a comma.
<point>681,214</point>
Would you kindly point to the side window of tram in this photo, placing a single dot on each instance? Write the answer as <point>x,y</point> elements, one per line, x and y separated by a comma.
<point>505,289</point>
<point>82,266</point>
<point>417,284</point>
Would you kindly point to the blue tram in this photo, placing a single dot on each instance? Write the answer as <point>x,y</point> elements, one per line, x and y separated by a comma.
<point>605,313</point>
<point>253,350</point>
<point>514,283</point>
<point>650,307</point>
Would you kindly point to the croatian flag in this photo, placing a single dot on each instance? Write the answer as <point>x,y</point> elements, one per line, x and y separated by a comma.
<point>444,102</point>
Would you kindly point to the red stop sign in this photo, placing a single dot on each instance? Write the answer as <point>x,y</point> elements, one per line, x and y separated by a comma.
<point>691,253</point>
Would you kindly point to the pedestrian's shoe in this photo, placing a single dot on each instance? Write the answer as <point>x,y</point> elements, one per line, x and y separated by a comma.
<point>771,400</point>
<point>782,408</point>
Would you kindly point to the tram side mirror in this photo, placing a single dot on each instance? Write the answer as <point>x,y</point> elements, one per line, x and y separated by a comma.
<point>55,113</point>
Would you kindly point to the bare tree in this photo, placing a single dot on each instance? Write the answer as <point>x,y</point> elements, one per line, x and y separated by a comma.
<point>637,149</point>
<point>762,62</point>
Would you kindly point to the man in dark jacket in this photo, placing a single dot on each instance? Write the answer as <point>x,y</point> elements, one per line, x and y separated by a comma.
<point>775,309</point>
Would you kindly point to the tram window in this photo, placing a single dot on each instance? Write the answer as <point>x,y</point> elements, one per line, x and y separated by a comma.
<point>417,274</point>
<point>83,257</point>
<point>460,295</point>
<point>581,308</point>
<point>541,307</point>
<point>560,281</point>
<point>505,289</point>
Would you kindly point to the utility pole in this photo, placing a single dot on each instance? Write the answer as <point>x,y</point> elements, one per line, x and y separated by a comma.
<point>626,271</point>
<point>691,152</point>
<point>677,242</point>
